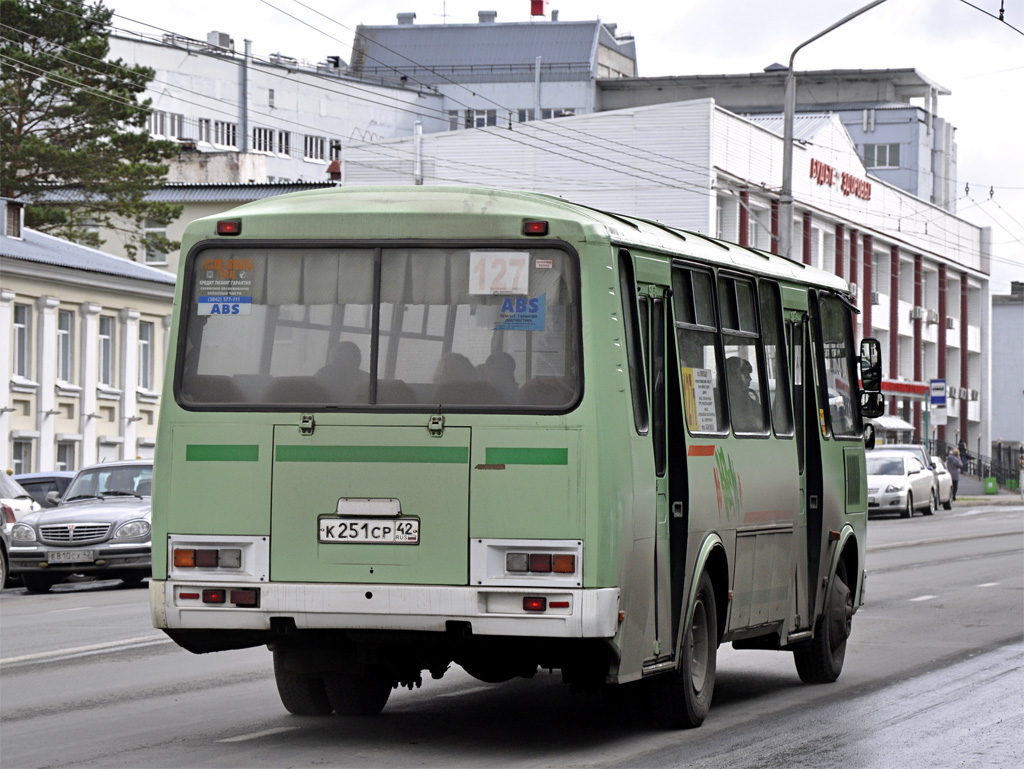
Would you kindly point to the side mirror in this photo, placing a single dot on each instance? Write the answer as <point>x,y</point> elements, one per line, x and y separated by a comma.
<point>869,437</point>
<point>872,404</point>
<point>871,365</point>
<point>53,497</point>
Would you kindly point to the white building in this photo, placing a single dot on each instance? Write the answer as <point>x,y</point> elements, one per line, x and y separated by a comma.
<point>84,351</point>
<point>921,273</point>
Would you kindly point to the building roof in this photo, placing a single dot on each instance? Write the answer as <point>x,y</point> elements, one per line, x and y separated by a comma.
<point>484,52</point>
<point>805,127</point>
<point>183,192</point>
<point>37,247</point>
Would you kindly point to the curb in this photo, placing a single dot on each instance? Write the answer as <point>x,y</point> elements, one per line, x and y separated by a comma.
<point>992,499</point>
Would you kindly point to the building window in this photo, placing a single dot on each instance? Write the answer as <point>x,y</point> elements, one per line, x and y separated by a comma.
<point>146,355</point>
<point>157,123</point>
<point>65,455</point>
<point>225,134</point>
<point>152,254</point>
<point>263,139</point>
<point>21,456</point>
<point>525,115</point>
<point>314,148</point>
<point>481,118</point>
<point>106,365</point>
<point>882,155</point>
<point>284,143</point>
<point>335,149</point>
<point>453,120</point>
<point>65,360</point>
<point>21,339</point>
<point>550,113</point>
<point>204,131</point>
<point>175,126</point>
<point>13,220</point>
<point>270,98</point>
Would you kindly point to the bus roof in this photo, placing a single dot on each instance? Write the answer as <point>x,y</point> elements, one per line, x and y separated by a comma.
<point>469,203</point>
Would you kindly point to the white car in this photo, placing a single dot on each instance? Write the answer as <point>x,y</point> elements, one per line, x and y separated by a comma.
<point>945,483</point>
<point>15,502</point>
<point>898,482</point>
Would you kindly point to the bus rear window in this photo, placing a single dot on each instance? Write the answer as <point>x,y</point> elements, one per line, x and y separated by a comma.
<point>421,328</point>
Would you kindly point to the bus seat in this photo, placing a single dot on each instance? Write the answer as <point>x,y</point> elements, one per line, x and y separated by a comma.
<point>206,388</point>
<point>545,391</point>
<point>296,389</point>
<point>395,391</point>
<point>475,393</point>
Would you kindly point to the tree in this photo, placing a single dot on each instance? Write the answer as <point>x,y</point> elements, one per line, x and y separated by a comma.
<point>73,138</point>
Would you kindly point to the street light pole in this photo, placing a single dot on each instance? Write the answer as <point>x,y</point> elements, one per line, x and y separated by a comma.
<point>786,196</point>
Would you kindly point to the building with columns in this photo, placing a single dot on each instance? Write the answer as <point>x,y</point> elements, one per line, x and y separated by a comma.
<point>919,272</point>
<point>83,361</point>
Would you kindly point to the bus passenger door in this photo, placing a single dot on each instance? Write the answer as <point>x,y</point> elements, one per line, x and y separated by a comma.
<point>808,434</point>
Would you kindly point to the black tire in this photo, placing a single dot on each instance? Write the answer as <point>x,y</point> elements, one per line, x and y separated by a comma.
<point>133,578</point>
<point>302,695</point>
<point>820,661</point>
<point>3,568</point>
<point>358,691</point>
<point>908,512</point>
<point>948,504</point>
<point>932,504</point>
<point>38,583</point>
<point>683,697</point>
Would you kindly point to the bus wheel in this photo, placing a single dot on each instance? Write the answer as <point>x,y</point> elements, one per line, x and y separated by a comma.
<point>683,697</point>
<point>359,690</point>
<point>300,694</point>
<point>909,511</point>
<point>821,660</point>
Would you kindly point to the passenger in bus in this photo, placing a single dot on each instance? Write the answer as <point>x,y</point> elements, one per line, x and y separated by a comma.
<point>342,377</point>
<point>458,382</point>
<point>500,371</point>
<point>743,402</point>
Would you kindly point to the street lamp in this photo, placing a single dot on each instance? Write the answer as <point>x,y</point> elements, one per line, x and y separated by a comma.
<point>786,196</point>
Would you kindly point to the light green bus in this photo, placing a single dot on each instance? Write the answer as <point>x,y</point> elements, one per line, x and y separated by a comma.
<point>412,427</point>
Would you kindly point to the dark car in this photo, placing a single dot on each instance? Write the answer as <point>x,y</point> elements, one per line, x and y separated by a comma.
<point>100,528</point>
<point>39,485</point>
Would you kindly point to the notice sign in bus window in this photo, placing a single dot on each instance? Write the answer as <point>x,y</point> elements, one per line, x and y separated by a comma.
<point>499,272</point>
<point>224,286</point>
<point>699,399</point>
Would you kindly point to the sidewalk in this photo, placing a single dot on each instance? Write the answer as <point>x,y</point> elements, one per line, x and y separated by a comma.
<point>972,492</point>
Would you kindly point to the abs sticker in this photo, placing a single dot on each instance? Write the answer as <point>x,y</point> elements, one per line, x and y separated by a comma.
<point>520,313</point>
<point>225,305</point>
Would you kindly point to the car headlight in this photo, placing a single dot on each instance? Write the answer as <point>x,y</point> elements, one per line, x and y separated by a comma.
<point>893,488</point>
<point>132,530</point>
<point>22,532</point>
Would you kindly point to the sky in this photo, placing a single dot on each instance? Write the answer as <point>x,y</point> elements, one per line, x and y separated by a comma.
<point>960,45</point>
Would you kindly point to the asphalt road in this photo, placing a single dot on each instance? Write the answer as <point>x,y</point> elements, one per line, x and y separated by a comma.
<point>934,677</point>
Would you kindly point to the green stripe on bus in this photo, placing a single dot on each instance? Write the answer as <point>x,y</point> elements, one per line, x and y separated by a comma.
<point>223,453</point>
<point>446,455</point>
<point>500,456</point>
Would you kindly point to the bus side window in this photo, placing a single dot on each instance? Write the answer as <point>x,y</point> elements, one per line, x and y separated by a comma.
<point>743,367</point>
<point>700,355</point>
<point>776,370</point>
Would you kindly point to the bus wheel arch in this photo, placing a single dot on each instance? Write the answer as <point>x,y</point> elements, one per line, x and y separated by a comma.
<point>820,660</point>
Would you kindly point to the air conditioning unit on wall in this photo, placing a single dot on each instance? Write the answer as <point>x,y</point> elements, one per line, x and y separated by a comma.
<point>875,298</point>
<point>931,317</point>
<point>950,323</point>
<point>916,313</point>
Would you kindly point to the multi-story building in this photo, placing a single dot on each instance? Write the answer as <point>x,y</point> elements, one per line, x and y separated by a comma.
<point>920,273</point>
<point>1008,376</point>
<point>86,342</point>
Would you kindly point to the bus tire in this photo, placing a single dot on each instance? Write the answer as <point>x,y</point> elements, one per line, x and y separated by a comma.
<point>302,695</point>
<point>38,583</point>
<point>357,691</point>
<point>684,696</point>
<point>908,512</point>
<point>820,661</point>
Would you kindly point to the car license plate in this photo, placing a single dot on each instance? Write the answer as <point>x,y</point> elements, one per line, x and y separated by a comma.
<point>70,556</point>
<point>370,530</point>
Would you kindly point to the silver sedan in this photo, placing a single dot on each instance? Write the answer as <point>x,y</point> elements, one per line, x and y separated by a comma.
<point>898,482</point>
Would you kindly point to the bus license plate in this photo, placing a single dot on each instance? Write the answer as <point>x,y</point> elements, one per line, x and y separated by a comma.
<point>371,530</point>
<point>70,556</point>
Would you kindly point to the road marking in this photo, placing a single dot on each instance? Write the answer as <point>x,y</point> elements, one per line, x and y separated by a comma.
<point>923,598</point>
<point>987,584</point>
<point>257,735</point>
<point>76,608</point>
<point>80,651</point>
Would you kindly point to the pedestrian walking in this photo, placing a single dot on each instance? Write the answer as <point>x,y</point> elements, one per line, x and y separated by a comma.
<point>954,464</point>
